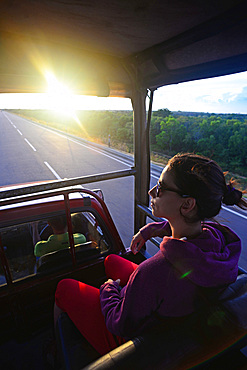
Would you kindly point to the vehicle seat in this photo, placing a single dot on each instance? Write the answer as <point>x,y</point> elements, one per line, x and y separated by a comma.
<point>62,258</point>
<point>73,350</point>
<point>187,343</point>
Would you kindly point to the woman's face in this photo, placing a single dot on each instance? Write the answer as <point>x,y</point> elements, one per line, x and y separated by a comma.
<point>165,201</point>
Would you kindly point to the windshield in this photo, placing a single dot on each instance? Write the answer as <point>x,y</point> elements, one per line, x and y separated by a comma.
<point>63,143</point>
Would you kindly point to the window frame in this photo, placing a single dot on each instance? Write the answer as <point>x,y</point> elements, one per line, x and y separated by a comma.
<point>85,201</point>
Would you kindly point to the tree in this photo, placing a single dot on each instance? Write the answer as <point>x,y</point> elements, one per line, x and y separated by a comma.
<point>172,134</point>
<point>238,145</point>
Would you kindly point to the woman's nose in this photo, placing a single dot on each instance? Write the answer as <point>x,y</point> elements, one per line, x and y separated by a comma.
<point>152,192</point>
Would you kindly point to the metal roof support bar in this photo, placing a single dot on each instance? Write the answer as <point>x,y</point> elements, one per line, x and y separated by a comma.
<point>147,211</point>
<point>141,151</point>
<point>50,185</point>
<point>70,231</point>
<point>151,98</point>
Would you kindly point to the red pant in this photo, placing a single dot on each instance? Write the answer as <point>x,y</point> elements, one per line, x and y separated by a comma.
<point>82,304</point>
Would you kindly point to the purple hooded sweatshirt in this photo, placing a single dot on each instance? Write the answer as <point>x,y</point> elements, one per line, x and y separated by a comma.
<point>166,285</point>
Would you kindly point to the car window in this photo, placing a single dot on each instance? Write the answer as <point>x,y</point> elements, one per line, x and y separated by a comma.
<point>2,276</point>
<point>18,247</point>
<point>34,247</point>
<point>95,232</point>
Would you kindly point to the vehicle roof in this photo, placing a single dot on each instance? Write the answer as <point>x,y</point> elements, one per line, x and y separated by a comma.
<point>42,203</point>
<point>107,47</point>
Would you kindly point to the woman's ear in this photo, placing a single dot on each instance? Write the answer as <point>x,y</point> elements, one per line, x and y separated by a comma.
<point>188,205</point>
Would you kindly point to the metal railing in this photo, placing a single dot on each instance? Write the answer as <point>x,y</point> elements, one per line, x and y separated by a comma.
<point>44,191</point>
<point>21,193</point>
<point>147,211</point>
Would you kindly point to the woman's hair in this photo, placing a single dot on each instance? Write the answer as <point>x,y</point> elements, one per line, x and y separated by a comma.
<point>204,180</point>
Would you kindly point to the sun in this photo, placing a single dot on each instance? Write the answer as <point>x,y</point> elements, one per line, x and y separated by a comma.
<point>59,96</point>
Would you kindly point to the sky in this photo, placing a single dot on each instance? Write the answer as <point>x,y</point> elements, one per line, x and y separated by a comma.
<point>226,94</point>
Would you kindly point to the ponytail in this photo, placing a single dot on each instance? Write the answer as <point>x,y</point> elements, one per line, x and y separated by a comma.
<point>233,196</point>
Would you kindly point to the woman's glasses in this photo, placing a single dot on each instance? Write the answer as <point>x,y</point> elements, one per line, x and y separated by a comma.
<point>161,188</point>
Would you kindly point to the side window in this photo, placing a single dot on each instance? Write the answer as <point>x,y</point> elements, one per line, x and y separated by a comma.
<point>86,231</point>
<point>43,245</point>
<point>94,231</point>
<point>89,240</point>
<point>2,276</point>
<point>18,247</point>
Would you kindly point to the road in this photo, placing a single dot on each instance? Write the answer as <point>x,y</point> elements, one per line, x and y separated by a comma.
<point>31,152</point>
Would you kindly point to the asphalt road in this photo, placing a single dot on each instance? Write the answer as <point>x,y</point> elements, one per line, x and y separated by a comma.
<point>30,152</point>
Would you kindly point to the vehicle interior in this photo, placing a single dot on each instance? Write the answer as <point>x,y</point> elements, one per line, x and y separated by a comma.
<point>125,49</point>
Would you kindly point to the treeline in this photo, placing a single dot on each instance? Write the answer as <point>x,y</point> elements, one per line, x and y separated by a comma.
<point>222,137</point>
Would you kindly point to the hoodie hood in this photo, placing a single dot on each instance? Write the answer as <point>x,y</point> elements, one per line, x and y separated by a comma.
<point>210,260</point>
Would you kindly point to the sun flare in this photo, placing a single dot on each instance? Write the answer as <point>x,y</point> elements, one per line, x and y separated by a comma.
<point>59,96</point>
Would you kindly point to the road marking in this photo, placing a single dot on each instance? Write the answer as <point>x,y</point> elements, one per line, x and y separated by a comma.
<point>9,119</point>
<point>156,177</point>
<point>234,212</point>
<point>77,142</point>
<point>107,155</point>
<point>12,124</point>
<point>30,145</point>
<point>53,171</point>
<point>98,151</point>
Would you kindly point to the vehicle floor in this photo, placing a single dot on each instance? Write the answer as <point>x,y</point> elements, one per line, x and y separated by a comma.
<point>236,360</point>
<point>38,353</point>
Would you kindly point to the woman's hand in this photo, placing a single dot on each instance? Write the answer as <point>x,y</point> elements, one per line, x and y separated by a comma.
<point>111,281</point>
<point>137,243</point>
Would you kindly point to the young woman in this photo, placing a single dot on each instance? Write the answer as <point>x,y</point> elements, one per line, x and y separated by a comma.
<point>194,254</point>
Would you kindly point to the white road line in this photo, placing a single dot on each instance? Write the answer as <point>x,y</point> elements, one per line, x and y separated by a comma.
<point>98,151</point>
<point>53,171</point>
<point>156,177</point>
<point>9,119</point>
<point>234,212</point>
<point>12,124</point>
<point>30,145</point>
<point>107,155</point>
<point>223,207</point>
<point>79,143</point>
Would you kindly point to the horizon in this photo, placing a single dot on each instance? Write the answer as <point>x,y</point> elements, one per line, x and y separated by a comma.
<point>130,110</point>
<point>218,95</point>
